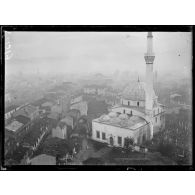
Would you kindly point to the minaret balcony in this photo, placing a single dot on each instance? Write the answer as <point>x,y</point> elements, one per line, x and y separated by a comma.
<point>149,58</point>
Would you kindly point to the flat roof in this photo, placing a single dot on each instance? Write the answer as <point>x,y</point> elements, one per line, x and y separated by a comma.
<point>122,121</point>
<point>14,126</point>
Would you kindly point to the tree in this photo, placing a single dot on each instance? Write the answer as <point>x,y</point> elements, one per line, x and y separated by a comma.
<point>128,141</point>
<point>166,149</point>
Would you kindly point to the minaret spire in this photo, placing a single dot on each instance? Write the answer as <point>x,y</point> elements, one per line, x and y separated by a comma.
<point>149,58</point>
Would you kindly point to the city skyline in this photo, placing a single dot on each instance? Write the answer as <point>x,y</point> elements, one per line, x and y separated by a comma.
<point>106,52</point>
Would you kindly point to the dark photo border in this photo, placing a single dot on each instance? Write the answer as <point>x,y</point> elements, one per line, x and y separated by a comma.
<point>86,28</point>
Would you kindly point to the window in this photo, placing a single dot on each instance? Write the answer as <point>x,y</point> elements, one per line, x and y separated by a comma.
<point>137,103</point>
<point>158,110</point>
<point>154,112</point>
<point>103,136</point>
<point>131,112</point>
<point>124,111</point>
<point>97,134</point>
<point>156,119</point>
<point>128,103</point>
<point>120,140</point>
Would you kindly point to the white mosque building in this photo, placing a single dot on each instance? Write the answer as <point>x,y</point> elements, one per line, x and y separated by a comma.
<point>139,115</point>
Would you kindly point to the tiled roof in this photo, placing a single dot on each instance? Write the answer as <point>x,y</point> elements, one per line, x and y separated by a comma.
<point>22,119</point>
<point>45,104</point>
<point>31,137</point>
<point>10,108</point>
<point>14,126</point>
<point>39,102</point>
<point>26,111</point>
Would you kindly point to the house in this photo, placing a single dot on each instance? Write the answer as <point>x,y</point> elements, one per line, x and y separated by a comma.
<point>60,131</point>
<point>33,138</point>
<point>13,129</point>
<point>57,109</point>
<point>10,110</point>
<point>53,118</point>
<point>81,106</point>
<point>68,120</point>
<point>75,114</point>
<point>26,124</point>
<point>28,111</point>
<point>46,106</point>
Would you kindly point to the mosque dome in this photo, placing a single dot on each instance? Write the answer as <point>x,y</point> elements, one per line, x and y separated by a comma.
<point>123,116</point>
<point>136,91</point>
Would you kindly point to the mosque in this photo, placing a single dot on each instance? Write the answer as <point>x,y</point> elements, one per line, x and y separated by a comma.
<point>138,116</point>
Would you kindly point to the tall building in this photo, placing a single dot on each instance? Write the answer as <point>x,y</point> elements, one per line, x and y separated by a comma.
<point>139,114</point>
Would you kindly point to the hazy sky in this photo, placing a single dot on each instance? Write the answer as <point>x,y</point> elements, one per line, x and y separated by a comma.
<point>97,51</point>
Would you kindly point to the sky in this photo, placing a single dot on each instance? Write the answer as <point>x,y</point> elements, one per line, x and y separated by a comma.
<point>105,52</point>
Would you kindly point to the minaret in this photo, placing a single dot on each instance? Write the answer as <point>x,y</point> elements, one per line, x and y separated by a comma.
<point>149,58</point>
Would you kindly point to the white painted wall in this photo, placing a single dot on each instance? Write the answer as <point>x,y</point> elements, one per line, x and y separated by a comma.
<point>114,132</point>
<point>60,133</point>
<point>132,103</point>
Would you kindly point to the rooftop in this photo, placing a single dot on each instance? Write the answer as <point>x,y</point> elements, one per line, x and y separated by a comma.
<point>26,111</point>
<point>45,104</point>
<point>32,136</point>
<point>14,126</point>
<point>39,102</point>
<point>10,108</point>
<point>53,115</point>
<point>22,119</point>
<point>122,120</point>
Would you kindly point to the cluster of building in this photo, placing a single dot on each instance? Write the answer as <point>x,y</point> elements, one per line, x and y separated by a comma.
<point>58,110</point>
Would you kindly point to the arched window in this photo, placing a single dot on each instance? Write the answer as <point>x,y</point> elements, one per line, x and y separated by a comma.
<point>124,111</point>
<point>138,104</point>
<point>131,112</point>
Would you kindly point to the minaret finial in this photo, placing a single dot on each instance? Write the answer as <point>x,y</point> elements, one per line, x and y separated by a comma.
<point>149,34</point>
